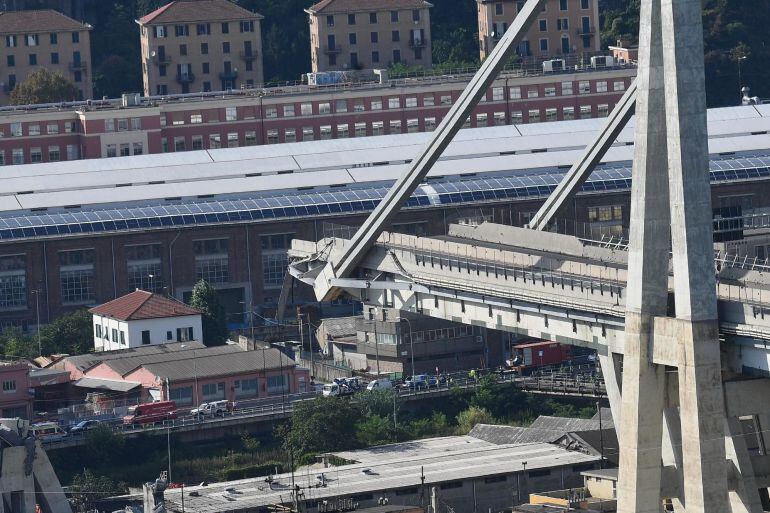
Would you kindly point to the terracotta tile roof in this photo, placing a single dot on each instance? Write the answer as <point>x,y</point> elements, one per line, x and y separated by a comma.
<point>141,304</point>
<point>27,22</point>
<point>198,10</point>
<point>345,6</point>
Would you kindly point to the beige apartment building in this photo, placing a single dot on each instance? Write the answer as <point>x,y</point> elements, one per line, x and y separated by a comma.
<point>565,27</point>
<point>43,39</point>
<point>354,34</point>
<point>200,45</point>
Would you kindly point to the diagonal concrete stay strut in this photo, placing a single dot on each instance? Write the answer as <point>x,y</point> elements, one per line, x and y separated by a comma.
<point>368,233</point>
<point>582,169</point>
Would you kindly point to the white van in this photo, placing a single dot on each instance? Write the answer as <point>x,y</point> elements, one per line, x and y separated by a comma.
<point>331,390</point>
<point>379,384</point>
<point>48,432</point>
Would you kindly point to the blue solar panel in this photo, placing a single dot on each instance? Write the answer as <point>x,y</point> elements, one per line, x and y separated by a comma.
<point>536,183</point>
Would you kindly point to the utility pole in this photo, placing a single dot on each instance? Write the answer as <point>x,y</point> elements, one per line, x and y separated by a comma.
<point>37,312</point>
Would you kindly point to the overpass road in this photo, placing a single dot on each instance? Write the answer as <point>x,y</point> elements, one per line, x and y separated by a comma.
<point>564,384</point>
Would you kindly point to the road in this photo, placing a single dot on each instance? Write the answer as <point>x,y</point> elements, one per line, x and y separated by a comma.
<point>274,408</point>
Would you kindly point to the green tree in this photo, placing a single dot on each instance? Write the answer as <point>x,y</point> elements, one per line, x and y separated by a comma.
<point>88,488</point>
<point>13,342</point>
<point>472,416</point>
<point>70,333</point>
<point>250,443</point>
<point>205,297</point>
<point>380,402</point>
<point>323,424</point>
<point>376,430</point>
<point>43,86</point>
<point>104,445</point>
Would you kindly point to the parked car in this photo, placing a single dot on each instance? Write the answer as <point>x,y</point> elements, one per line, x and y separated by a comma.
<point>418,382</point>
<point>213,409</point>
<point>150,413</point>
<point>379,384</point>
<point>352,384</point>
<point>83,426</point>
<point>48,432</point>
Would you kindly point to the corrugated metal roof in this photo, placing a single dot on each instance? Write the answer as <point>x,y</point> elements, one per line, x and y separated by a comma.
<point>220,365</point>
<point>389,472</point>
<point>86,361</point>
<point>111,385</point>
<point>123,366</point>
<point>565,424</point>
<point>506,435</point>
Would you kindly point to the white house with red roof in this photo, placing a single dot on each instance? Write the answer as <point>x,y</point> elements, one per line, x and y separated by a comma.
<point>142,318</point>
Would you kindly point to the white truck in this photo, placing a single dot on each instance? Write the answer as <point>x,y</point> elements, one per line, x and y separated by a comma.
<point>213,409</point>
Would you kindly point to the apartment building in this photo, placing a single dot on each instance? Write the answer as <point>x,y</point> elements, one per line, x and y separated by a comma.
<point>354,35</point>
<point>565,27</point>
<point>113,128</point>
<point>200,45</point>
<point>43,39</point>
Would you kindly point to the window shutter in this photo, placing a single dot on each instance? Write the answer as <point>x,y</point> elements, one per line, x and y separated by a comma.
<point>179,334</point>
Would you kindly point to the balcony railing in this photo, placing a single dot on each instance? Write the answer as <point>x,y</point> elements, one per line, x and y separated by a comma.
<point>228,75</point>
<point>76,66</point>
<point>418,43</point>
<point>248,56</point>
<point>161,60</point>
<point>586,31</point>
<point>185,78</point>
<point>332,49</point>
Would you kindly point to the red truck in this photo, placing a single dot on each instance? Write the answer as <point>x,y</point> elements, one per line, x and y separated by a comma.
<point>538,354</point>
<point>150,413</point>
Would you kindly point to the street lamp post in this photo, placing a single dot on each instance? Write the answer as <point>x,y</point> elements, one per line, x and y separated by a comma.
<point>740,80</point>
<point>411,341</point>
<point>36,292</point>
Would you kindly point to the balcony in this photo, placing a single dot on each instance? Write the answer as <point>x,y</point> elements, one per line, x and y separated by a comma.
<point>418,43</point>
<point>332,49</point>
<point>248,56</point>
<point>185,78</point>
<point>161,60</point>
<point>78,66</point>
<point>586,31</point>
<point>228,75</point>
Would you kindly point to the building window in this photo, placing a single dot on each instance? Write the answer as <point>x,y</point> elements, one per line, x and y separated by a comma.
<point>533,92</point>
<point>330,20</point>
<point>481,119</point>
<point>181,30</point>
<point>277,384</point>
<point>586,111</point>
<point>272,136</point>
<point>247,26</point>
<point>394,103</point>
<point>550,114</point>
<point>601,86</point>
<point>11,41</point>
<point>9,386</point>
<point>76,276</point>
<point>619,85</point>
<point>33,59</point>
<point>181,396</point>
<point>160,31</point>
<point>35,155</point>
<point>143,267</point>
<point>225,28</point>
<point>32,39</point>
<point>499,9</point>
<point>212,260</point>
<point>231,114</point>
<point>138,148</point>
<point>11,60</point>
<point>543,25</point>
<point>13,281</point>
<point>18,156</point>
<point>376,104</point>
<point>308,133</point>
<point>351,19</point>
<point>288,111</point>
<point>146,337</point>
<point>360,130</point>
<point>566,88</point>
<point>378,128</point>
<point>306,109</point>
<point>372,17</point>
<point>534,116</point>
<point>197,142</point>
<point>250,137</point>
<point>274,258</point>
<point>395,126</point>
<point>585,4</point>
<point>271,112</point>
<point>603,110</point>
<point>184,334</point>
<point>245,387</point>
<point>550,91</point>
<point>394,16</point>
<point>213,391</point>
<point>203,29</point>
<point>54,155</point>
<point>343,131</point>
<point>605,214</point>
<point>290,135</point>
<point>584,87</point>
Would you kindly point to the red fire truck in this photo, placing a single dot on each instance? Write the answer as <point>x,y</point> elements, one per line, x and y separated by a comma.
<point>150,413</point>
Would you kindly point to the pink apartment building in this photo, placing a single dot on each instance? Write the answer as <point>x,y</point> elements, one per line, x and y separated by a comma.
<point>15,396</point>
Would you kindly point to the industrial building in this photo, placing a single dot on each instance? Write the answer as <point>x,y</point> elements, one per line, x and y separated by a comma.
<point>228,216</point>
<point>135,125</point>
<point>468,473</point>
